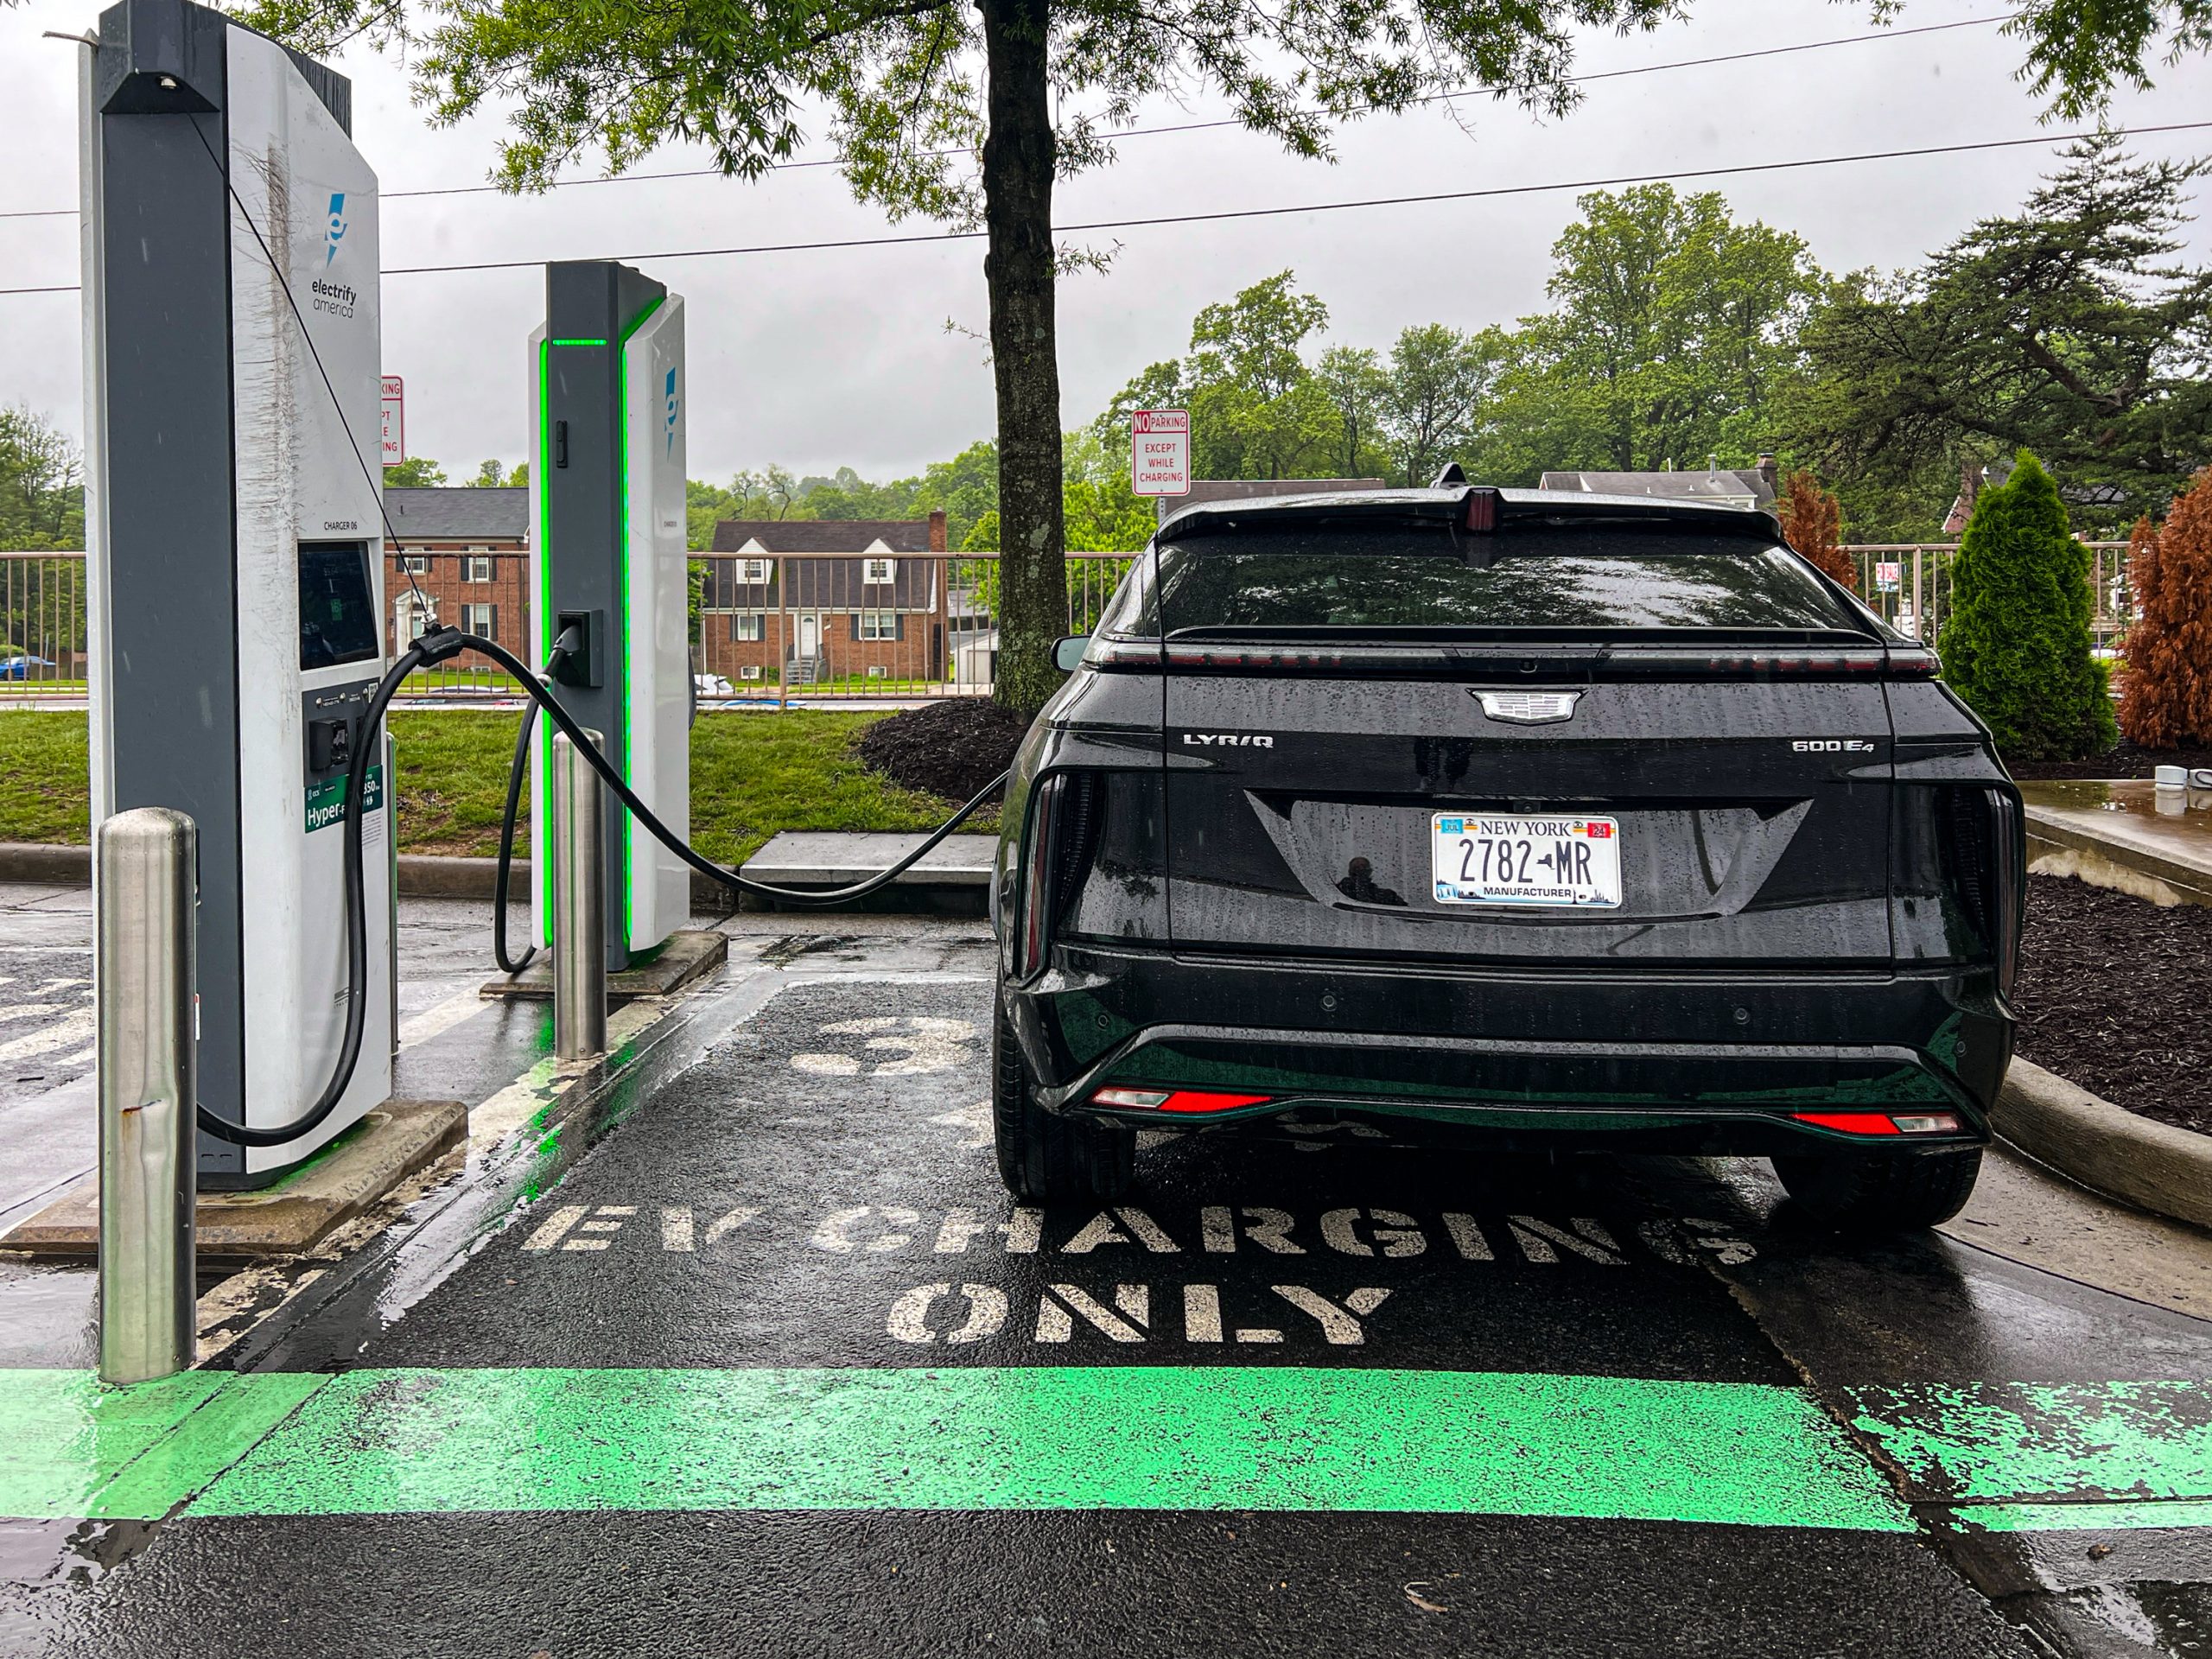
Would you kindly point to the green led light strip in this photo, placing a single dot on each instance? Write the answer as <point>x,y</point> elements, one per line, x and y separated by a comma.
<point>576,342</point>
<point>630,841</point>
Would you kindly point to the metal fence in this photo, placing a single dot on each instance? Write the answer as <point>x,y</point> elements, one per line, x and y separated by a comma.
<point>42,623</point>
<point>797,630</point>
<point>1907,584</point>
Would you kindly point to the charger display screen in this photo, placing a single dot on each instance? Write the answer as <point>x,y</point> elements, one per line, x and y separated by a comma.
<point>337,607</point>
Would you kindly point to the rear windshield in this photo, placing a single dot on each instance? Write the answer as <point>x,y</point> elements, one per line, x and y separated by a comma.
<point>1418,578</point>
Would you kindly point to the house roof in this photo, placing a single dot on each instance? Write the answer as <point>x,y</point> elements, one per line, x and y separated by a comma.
<point>1735,486</point>
<point>853,536</point>
<point>460,514</point>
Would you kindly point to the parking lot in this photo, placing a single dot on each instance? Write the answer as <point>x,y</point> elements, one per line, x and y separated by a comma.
<point>740,1333</point>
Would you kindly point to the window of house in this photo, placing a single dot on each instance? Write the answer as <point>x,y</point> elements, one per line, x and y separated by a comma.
<point>753,570</point>
<point>414,564</point>
<point>878,624</point>
<point>750,671</point>
<point>477,567</point>
<point>482,621</point>
<point>878,671</point>
<point>876,572</point>
<point>745,624</point>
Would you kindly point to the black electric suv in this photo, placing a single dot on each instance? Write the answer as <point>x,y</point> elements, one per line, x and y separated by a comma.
<point>1513,818</point>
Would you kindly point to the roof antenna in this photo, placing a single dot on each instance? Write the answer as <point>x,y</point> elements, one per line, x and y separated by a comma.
<point>1449,476</point>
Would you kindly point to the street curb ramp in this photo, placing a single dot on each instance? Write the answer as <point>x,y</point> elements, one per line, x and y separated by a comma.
<point>2105,1148</point>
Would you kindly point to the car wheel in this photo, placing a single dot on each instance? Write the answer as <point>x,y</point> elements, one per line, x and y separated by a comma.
<point>1044,1157</point>
<point>1880,1191</point>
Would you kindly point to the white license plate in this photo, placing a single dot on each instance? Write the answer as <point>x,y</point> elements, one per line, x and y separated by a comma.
<point>1518,860</point>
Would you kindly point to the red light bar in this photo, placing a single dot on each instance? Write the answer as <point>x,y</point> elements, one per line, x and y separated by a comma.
<point>1175,1100</point>
<point>1849,1123</point>
<point>1883,1122</point>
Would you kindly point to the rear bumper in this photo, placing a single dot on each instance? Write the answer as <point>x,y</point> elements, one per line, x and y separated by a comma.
<point>1699,1062</point>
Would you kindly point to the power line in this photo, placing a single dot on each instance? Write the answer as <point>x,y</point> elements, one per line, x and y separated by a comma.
<point>1307,208</point>
<point>1186,126</point>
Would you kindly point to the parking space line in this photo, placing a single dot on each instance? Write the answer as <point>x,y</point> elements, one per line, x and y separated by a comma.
<point>522,1441</point>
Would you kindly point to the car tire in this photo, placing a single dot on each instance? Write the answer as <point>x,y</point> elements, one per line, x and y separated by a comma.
<point>1044,1157</point>
<point>1874,1192</point>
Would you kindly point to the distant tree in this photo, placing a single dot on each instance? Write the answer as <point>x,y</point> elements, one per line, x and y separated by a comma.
<point>2167,699</point>
<point>1353,380</point>
<point>416,472</point>
<point>2016,644</point>
<point>1256,409</point>
<point>1438,379</point>
<point>489,477</point>
<point>1812,520</point>
<point>518,476</point>
<point>41,484</point>
<point>2070,328</point>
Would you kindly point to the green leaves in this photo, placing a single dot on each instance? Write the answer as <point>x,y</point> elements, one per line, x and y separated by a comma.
<point>2016,645</point>
<point>2069,328</point>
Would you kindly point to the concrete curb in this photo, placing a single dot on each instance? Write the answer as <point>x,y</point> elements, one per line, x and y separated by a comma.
<point>2107,1148</point>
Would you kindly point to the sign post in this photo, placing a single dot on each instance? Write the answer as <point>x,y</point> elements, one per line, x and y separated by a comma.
<point>395,420</point>
<point>1160,453</point>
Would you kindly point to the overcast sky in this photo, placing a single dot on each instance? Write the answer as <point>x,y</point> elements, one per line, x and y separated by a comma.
<point>821,359</point>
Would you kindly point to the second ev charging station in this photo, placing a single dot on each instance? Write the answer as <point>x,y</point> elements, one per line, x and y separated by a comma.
<point>236,611</point>
<point>607,549</point>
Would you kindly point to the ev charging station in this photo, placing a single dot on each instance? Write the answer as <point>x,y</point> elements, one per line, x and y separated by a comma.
<point>236,603</point>
<point>606,405</point>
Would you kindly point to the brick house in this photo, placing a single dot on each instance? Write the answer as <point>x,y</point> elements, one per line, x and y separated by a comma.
<point>467,551</point>
<point>826,598</point>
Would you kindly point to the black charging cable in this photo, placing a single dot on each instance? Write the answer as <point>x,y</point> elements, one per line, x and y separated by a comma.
<point>438,644</point>
<point>567,645</point>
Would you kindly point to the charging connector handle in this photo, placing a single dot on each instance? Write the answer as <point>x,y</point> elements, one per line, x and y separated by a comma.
<point>431,648</point>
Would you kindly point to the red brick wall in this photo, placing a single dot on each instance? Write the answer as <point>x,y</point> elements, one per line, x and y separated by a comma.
<point>442,583</point>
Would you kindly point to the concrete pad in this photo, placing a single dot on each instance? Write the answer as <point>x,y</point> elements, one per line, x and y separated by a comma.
<point>2127,833</point>
<point>688,955</point>
<point>359,1168</point>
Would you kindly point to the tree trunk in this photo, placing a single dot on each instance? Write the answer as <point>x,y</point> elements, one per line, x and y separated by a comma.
<point>1017,272</point>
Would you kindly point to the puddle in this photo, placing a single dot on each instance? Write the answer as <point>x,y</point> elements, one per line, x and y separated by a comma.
<point>2179,819</point>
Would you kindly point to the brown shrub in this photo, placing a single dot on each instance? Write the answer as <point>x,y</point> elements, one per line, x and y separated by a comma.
<point>1812,520</point>
<point>2167,700</point>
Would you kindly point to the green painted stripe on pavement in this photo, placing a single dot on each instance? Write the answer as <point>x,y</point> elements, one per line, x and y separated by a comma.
<point>383,1442</point>
<point>2017,1441</point>
<point>392,1441</point>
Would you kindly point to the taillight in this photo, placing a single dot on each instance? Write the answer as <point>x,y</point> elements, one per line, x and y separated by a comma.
<point>1031,916</point>
<point>1064,817</point>
<point>1675,662</point>
<point>1195,1101</point>
<point>1881,1123</point>
<point>1983,834</point>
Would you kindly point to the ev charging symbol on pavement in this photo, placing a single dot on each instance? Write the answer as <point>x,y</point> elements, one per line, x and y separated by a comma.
<point>921,1043</point>
<point>335,232</point>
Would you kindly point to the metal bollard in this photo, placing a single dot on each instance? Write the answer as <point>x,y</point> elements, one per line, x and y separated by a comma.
<point>146,971</point>
<point>579,905</point>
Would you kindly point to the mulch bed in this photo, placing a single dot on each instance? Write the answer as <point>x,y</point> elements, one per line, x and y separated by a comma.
<point>2125,761</point>
<point>950,749</point>
<point>2113,995</point>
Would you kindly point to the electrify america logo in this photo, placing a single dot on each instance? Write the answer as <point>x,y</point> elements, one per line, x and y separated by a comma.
<point>669,406</point>
<point>334,229</point>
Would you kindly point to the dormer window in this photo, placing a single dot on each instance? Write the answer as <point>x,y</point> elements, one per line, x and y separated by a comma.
<point>876,573</point>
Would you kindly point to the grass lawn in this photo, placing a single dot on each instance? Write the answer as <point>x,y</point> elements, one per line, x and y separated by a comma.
<point>751,775</point>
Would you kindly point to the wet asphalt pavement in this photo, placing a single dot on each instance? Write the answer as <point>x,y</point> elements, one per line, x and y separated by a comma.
<point>740,1346</point>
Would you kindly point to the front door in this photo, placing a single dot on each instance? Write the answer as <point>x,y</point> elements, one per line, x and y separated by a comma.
<point>809,635</point>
